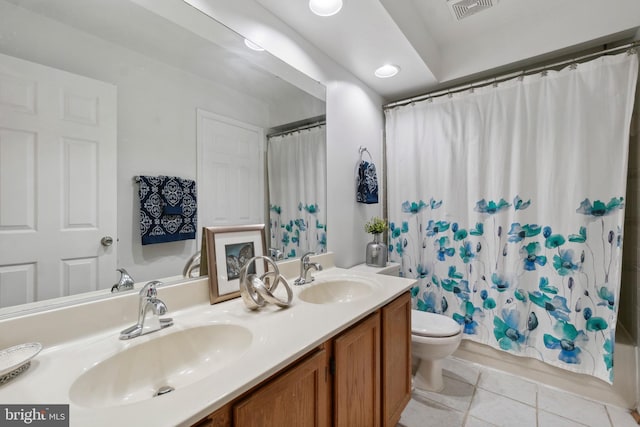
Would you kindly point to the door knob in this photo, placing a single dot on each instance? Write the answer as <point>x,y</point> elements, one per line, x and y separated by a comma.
<point>106,241</point>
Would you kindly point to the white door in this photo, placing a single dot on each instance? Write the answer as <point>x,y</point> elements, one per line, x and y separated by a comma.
<point>57,182</point>
<point>230,171</point>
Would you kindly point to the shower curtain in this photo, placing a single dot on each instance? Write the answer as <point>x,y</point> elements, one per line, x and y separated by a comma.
<point>296,164</point>
<point>507,204</point>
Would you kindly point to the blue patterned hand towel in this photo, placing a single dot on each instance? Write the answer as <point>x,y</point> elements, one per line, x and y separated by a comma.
<point>168,209</point>
<point>367,183</point>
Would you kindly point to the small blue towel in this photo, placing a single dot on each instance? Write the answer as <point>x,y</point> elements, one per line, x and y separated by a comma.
<point>168,209</point>
<point>367,183</point>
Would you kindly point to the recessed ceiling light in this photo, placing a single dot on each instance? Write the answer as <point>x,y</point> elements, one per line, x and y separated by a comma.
<point>252,45</point>
<point>386,71</point>
<point>325,7</point>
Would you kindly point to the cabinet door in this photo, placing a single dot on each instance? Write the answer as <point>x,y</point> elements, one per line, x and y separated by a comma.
<point>297,398</point>
<point>396,359</point>
<point>220,418</point>
<point>357,375</point>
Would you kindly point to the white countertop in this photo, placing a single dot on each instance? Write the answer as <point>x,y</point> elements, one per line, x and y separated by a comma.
<point>279,337</point>
<point>391,269</point>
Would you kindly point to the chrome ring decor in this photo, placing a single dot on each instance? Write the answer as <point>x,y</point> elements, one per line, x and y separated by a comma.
<point>258,290</point>
<point>251,298</point>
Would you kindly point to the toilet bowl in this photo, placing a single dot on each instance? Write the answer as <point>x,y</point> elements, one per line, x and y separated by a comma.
<point>433,338</point>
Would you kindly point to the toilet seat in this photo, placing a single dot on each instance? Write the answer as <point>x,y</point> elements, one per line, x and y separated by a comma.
<point>427,324</point>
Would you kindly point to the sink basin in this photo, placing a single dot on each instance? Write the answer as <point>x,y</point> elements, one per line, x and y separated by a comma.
<point>162,364</point>
<point>336,291</point>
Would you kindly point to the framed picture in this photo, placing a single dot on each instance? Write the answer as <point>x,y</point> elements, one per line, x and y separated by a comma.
<point>227,250</point>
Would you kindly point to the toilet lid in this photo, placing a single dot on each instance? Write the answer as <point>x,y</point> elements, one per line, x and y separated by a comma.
<point>433,325</point>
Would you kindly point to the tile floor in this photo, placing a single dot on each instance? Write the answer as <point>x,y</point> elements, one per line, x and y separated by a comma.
<point>477,396</point>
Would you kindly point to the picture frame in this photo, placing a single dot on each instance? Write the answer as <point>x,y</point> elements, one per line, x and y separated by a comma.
<point>227,250</point>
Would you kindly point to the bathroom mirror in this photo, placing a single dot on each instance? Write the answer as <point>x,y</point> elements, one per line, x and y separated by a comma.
<point>157,79</point>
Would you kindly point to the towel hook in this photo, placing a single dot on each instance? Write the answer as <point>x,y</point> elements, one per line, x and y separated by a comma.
<point>363,150</point>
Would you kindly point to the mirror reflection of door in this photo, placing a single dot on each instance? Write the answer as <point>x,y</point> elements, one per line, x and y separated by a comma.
<point>57,193</point>
<point>230,171</point>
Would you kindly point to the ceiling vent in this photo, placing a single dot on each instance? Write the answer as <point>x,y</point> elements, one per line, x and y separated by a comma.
<point>464,8</point>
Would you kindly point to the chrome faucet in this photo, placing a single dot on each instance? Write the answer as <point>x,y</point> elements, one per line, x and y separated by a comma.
<point>125,282</point>
<point>305,269</point>
<point>150,308</point>
<point>275,254</point>
<point>192,266</point>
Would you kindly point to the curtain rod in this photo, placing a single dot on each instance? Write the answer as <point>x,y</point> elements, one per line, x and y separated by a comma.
<point>299,128</point>
<point>508,76</point>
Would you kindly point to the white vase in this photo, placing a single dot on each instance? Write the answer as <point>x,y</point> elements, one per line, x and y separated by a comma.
<point>377,252</point>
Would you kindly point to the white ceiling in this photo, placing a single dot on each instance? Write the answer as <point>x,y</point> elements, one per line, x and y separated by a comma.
<point>217,54</point>
<point>433,49</point>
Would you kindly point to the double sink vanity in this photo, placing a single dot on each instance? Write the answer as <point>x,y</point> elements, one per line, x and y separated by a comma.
<point>339,355</point>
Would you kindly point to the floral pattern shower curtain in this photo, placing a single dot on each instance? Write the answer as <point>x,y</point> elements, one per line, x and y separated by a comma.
<point>507,204</point>
<point>296,164</point>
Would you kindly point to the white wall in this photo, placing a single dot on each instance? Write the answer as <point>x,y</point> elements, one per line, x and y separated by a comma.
<point>156,119</point>
<point>354,118</point>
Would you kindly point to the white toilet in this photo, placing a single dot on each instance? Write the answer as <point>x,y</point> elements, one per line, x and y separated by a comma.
<point>433,337</point>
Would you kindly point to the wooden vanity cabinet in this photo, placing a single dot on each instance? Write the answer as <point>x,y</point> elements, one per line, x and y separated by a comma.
<point>297,398</point>
<point>361,377</point>
<point>220,418</point>
<point>372,378</point>
<point>396,358</point>
<point>356,376</point>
